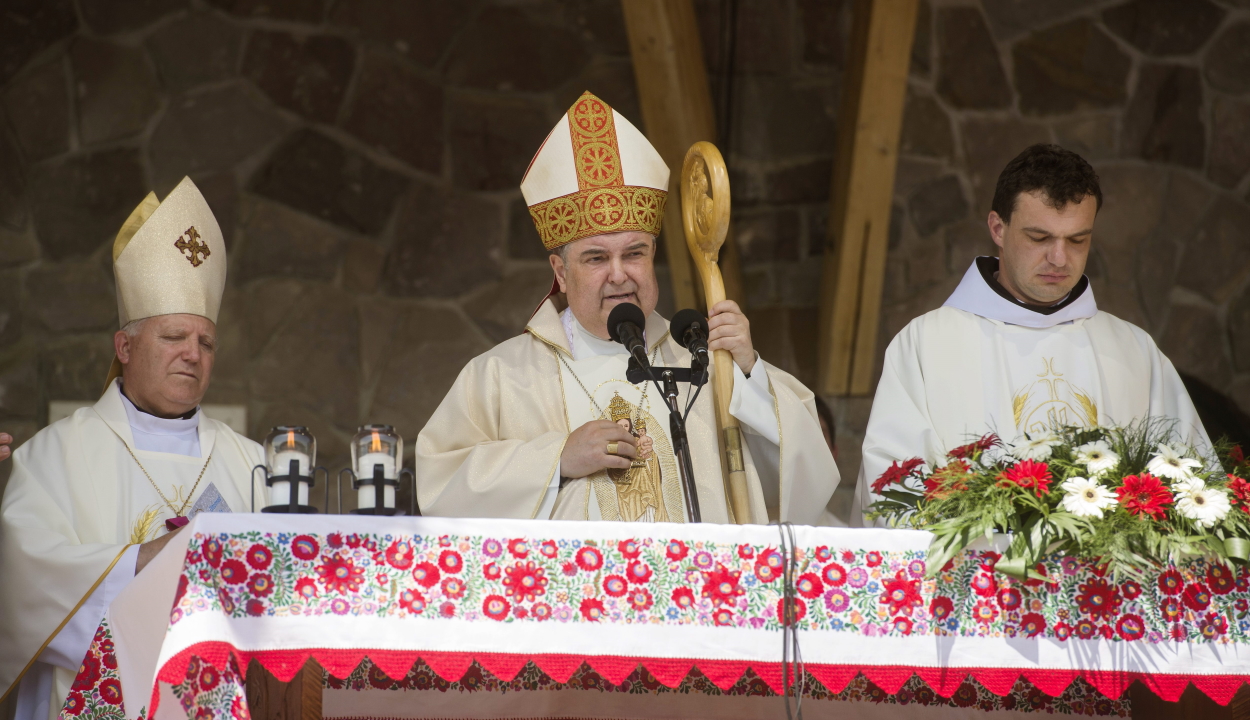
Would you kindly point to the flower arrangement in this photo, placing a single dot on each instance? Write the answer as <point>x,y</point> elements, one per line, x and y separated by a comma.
<point>1131,498</point>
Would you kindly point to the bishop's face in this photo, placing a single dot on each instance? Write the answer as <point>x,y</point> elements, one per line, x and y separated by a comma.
<point>167,365</point>
<point>600,272</point>
<point>1043,250</point>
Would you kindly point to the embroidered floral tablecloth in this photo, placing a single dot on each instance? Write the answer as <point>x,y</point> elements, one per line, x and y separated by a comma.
<point>429,617</point>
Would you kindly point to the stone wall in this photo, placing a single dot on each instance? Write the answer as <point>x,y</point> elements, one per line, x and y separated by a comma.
<point>363,158</point>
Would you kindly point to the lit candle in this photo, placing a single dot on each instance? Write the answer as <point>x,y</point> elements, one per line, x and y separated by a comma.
<point>280,492</point>
<point>365,494</point>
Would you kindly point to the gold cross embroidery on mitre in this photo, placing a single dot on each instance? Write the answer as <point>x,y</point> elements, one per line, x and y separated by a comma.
<point>191,247</point>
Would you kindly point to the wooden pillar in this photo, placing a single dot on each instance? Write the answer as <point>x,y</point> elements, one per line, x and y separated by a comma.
<point>870,119</point>
<point>677,112</point>
<point>270,699</point>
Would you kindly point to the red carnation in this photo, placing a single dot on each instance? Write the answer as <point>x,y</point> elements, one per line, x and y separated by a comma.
<point>1241,492</point>
<point>975,447</point>
<point>896,474</point>
<point>1144,495</point>
<point>1236,455</point>
<point>1030,475</point>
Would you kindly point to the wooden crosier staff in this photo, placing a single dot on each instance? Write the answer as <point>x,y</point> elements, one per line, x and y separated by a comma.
<point>705,212</point>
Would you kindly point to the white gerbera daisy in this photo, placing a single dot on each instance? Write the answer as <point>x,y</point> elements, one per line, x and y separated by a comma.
<point>1205,506</point>
<point>1085,497</point>
<point>1037,449</point>
<point>1170,464</point>
<point>1097,457</point>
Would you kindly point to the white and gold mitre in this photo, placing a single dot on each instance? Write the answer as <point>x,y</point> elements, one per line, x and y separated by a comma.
<point>594,174</point>
<point>169,257</point>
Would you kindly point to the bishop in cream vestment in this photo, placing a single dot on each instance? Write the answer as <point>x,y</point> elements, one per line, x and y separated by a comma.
<point>86,491</point>
<point>596,190</point>
<point>983,363</point>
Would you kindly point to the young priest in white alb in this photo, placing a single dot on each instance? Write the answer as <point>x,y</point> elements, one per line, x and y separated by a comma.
<point>1020,346</point>
<point>92,497</point>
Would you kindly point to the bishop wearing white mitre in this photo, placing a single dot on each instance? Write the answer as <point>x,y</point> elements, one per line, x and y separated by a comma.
<point>92,496</point>
<point>1020,347</point>
<point>546,425</point>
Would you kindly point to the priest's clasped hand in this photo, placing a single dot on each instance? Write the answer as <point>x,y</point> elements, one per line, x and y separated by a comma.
<point>586,451</point>
<point>730,330</point>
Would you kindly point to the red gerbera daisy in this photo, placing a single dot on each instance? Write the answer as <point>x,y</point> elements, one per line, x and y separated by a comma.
<point>1144,495</point>
<point>975,447</point>
<point>1030,475</point>
<point>896,474</point>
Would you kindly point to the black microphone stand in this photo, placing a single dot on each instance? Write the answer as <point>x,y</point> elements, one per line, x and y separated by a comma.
<point>636,373</point>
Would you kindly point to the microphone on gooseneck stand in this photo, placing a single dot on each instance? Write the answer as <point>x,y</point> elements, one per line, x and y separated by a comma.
<point>689,328</point>
<point>625,324</point>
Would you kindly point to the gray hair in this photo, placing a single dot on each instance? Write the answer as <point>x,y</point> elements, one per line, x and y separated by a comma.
<point>134,327</point>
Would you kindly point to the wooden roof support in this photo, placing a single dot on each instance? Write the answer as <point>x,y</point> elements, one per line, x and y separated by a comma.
<point>869,121</point>
<point>677,112</point>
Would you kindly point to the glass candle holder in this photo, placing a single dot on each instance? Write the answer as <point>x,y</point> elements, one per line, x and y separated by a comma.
<point>377,450</point>
<point>287,448</point>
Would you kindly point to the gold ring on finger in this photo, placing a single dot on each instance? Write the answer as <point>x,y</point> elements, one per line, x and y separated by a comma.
<point>612,447</point>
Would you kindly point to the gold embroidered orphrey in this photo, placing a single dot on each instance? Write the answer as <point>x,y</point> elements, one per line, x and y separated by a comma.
<point>603,202</point>
<point>649,490</point>
<point>191,247</point>
<point>1052,402</point>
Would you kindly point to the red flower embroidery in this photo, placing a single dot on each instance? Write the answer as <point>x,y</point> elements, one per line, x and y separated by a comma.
<point>800,611</point>
<point>723,617</point>
<point>721,585</point>
<point>1009,599</point>
<point>1212,625</point>
<point>834,575</point>
<point>541,611</point>
<point>234,572</point>
<point>896,474</point>
<point>615,585</point>
<point>640,599</point>
<point>525,582</point>
<point>746,552</point>
<point>683,597</point>
<point>209,677</point>
<point>426,574</point>
<point>568,568</point>
<point>1030,475</point>
<point>1130,589</point>
<point>985,611</point>
<point>903,625</point>
<point>74,704</point>
<point>769,566</point>
<point>1171,609</point>
<point>400,555</point>
<point>872,558</point>
<point>334,540</point>
<point>809,585</point>
<point>941,608</point>
<point>305,547</point>
<point>589,558</point>
<point>1196,596</point>
<point>491,571</point>
<point>519,548</point>
<point>549,549</point>
<point>111,691</point>
<point>901,594</point>
<point>1220,579</point>
<point>592,609</point>
<point>638,572</point>
<point>677,550</point>
<point>1098,599</point>
<point>984,584</point>
<point>447,609</point>
<point>255,608</point>
<point>260,584</point>
<point>1033,624</point>
<point>212,551</point>
<point>1171,582</point>
<point>259,556</point>
<point>1144,495</point>
<point>1131,627</point>
<point>629,548</point>
<point>412,601</point>
<point>449,561</point>
<point>453,588</point>
<point>340,575</point>
<point>495,607</point>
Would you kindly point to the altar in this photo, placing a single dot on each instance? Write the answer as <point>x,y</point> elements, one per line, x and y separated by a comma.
<point>438,618</point>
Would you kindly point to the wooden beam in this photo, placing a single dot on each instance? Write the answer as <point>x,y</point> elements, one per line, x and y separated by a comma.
<point>869,121</point>
<point>677,112</point>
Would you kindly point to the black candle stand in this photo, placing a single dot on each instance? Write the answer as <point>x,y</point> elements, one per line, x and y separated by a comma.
<point>294,479</point>
<point>379,481</point>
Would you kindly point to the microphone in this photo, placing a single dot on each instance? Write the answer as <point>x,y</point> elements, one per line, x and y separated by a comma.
<point>625,324</point>
<point>689,328</point>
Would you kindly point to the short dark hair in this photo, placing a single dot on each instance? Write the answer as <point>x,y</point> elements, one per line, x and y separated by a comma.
<point>1063,175</point>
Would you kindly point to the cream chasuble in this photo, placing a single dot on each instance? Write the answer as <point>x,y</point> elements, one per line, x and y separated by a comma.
<point>75,502</point>
<point>983,363</point>
<point>492,448</point>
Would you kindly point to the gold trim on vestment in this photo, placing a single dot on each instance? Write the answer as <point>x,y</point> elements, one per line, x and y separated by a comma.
<point>17,681</point>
